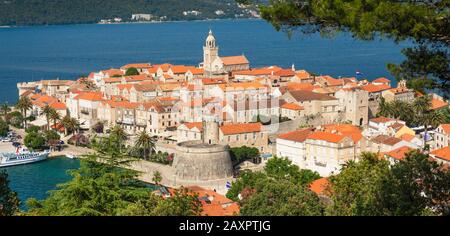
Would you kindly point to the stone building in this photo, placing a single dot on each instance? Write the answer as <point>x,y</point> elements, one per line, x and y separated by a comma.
<point>354,104</point>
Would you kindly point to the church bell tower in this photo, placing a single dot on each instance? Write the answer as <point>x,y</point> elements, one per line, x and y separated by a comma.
<point>210,52</point>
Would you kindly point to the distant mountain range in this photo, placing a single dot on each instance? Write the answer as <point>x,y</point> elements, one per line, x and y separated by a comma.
<point>48,12</point>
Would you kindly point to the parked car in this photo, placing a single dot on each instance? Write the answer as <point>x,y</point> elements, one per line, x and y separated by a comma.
<point>16,144</point>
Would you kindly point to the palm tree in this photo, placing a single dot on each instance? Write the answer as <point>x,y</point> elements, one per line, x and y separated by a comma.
<point>433,119</point>
<point>157,177</point>
<point>5,109</point>
<point>145,143</point>
<point>70,124</point>
<point>24,104</point>
<point>54,115</point>
<point>47,111</point>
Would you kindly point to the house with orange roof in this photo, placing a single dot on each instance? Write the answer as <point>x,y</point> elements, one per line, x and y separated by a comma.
<point>141,67</point>
<point>315,103</point>
<point>99,76</point>
<point>248,134</point>
<point>441,155</point>
<point>292,111</point>
<point>303,76</point>
<point>143,92</point>
<point>398,154</point>
<point>252,74</point>
<point>380,125</point>
<point>401,93</point>
<point>214,204</point>
<point>326,152</point>
<point>328,81</point>
<point>441,136</point>
<point>190,131</point>
<point>400,129</point>
<point>385,143</point>
<point>323,149</point>
<point>234,91</point>
<point>160,117</point>
<point>291,145</point>
<point>55,88</point>
<point>83,106</point>
<point>382,81</point>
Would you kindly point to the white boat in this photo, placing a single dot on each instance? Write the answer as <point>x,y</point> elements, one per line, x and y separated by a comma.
<point>22,156</point>
<point>71,156</point>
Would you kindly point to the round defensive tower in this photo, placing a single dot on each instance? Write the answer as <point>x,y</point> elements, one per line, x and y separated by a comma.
<point>198,161</point>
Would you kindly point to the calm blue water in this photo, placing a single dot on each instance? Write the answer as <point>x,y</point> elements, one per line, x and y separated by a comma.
<point>35,180</point>
<point>66,52</point>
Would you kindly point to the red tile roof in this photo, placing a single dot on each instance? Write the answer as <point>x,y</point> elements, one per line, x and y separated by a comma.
<point>446,128</point>
<point>372,88</point>
<point>381,119</point>
<point>296,136</point>
<point>230,129</point>
<point>325,136</point>
<point>443,153</point>
<point>292,106</point>
<point>214,204</point>
<point>90,96</point>
<point>58,106</point>
<point>399,153</point>
<point>234,60</point>
<point>381,80</point>
<point>438,104</point>
<point>320,186</point>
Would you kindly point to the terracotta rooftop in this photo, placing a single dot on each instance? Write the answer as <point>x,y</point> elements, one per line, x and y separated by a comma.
<point>443,153</point>
<point>320,186</point>
<point>399,153</point>
<point>438,104</point>
<point>90,96</point>
<point>372,88</point>
<point>387,140</point>
<point>381,80</point>
<point>302,95</point>
<point>214,204</point>
<point>381,119</point>
<point>234,60</point>
<point>191,125</point>
<point>296,136</point>
<point>446,128</point>
<point>326,136</point>
<point>230,129</point>
<point>292,106</point>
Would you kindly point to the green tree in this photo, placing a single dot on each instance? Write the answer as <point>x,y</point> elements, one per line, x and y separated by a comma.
<point>24,104</point>
<point>415,186</point>
<point>48,111</point>
<point>423,22</point>
<point>157,177</point>
<point>356,190</point>
<point>281,198</point>
<point>4,128</point>
<point>144,145</point>
<point>33,129</point>
<point>34,141</point>
<point>54,115</point>
<point>15,119</point>
<point>241,154</point>
<point>9,202</point>
<point>131,71</point>
<point>71,125</point>
<point>4,108</point>
<point>51,135</point>
<point>282,168</point>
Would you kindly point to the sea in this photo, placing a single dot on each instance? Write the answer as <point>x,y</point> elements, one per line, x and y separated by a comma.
<point>71,51</point>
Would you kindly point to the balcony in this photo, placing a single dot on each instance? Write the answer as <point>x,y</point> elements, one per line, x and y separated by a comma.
<point>126,121</point>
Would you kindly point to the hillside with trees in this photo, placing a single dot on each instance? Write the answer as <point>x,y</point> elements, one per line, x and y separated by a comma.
<point>47,12</point>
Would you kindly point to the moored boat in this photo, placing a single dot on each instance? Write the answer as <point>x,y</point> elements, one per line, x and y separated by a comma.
<point>22,156</point>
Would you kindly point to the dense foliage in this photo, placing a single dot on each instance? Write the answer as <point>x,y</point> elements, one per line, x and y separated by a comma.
<point>102,188</point>
<point>425,23</point>
<point>43,12</point>
<point>9,202</point>
<point>244,153</point>
<point>4,128</point>
<point>281,189</point>
<point>35,141</point>
<point>412,187</point>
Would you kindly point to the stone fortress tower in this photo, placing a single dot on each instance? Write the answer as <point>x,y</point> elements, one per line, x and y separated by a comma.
<point>210,132</point>
<point>200,162</point>
<point>210,53</point>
